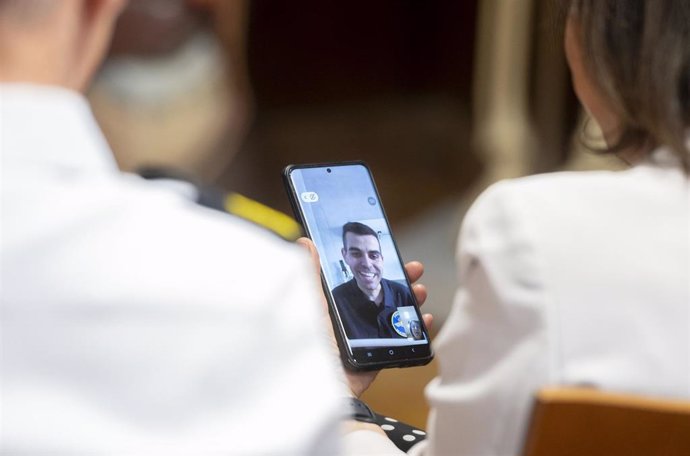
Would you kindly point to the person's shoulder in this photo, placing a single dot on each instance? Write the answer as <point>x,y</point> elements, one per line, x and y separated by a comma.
<point>584,207</point>
<point>344,287</point>
<point>122,240</point>
<point>548,183</point>
<point>403,293</point>
<point>170,202</point>
<point>219,199</point>
<point>554,192</point>
<point>183,239</point>
<point>521,211</point>
<point>582,184</point>
<point>182,212</point>
<point>396,286</point>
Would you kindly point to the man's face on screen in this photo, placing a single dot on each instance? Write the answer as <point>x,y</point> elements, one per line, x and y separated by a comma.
<point>362,253</point>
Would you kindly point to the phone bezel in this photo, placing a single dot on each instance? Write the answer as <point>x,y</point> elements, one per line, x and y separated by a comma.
<point>403,358</point>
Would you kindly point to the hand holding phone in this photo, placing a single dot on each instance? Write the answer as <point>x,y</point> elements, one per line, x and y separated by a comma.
<point>359,381</point>
<point>375,314</point>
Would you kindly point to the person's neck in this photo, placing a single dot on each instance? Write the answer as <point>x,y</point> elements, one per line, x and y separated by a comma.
<point>373,295</point>
<point>18,70</point>
<point>635,156</point>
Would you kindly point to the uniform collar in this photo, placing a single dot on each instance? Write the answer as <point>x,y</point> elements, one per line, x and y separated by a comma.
<point>48,125</point>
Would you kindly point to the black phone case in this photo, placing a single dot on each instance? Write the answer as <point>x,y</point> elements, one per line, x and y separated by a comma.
<point>349,361</point>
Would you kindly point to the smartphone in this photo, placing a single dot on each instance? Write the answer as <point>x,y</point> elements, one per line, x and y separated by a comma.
<point>375,315</point>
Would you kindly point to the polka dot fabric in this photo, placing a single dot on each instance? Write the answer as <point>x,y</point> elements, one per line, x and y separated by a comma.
<point>401,434</point>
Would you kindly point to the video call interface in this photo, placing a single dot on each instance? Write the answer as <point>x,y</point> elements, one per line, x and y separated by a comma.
<point>361,268</point>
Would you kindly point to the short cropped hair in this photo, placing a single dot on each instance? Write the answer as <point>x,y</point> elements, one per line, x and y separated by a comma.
<point>639,53</point>
<point>359,229</point>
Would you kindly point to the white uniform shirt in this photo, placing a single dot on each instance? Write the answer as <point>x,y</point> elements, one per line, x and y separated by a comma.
<point>565,279</point>
<point>133,321</point>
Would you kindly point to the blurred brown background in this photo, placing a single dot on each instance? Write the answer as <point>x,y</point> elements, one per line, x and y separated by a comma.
<point>384,81</point>
<point>441,98</point>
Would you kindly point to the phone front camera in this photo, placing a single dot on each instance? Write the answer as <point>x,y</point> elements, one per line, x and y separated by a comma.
<point>328,170</point>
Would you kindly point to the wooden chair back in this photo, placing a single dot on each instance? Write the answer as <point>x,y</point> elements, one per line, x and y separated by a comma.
<point>589,422</point>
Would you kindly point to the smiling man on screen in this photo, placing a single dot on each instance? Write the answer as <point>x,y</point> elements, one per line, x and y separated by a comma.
<point>368,302</point>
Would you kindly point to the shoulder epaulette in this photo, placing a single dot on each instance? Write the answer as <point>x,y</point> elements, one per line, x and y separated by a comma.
<point>281,224</point>
<point>233,203</point>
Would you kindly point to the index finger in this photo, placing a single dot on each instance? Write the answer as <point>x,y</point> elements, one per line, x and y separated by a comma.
<point>414,269</point>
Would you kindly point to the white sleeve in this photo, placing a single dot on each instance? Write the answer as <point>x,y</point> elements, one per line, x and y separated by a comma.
<point>194,371</point>
<point>492,348</point>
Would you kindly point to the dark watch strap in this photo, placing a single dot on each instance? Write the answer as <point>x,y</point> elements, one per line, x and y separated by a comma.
<point>358,410</point>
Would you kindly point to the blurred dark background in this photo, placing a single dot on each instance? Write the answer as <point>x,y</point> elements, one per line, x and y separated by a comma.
<point>388,82</point>
<point>439,97</point>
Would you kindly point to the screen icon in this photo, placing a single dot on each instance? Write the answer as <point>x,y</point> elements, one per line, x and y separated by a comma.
<point>309,197</point>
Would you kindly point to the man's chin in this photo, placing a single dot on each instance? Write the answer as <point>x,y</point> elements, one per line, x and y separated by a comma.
<point>368,285</point>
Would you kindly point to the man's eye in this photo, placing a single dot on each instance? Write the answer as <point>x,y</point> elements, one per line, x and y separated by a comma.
<point>374,256</point>
<point>356,254</point>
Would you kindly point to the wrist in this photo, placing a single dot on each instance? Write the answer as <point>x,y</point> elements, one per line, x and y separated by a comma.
<point>359,417</point>
<point>358,410</point>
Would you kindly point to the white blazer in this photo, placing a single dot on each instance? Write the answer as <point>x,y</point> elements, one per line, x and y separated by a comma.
<point>566,278</point>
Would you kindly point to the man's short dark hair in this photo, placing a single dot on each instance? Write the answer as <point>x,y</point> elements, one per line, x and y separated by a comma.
<point>359,229</point>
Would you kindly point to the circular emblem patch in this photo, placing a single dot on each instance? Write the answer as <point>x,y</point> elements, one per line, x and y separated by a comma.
<point>397,324</point>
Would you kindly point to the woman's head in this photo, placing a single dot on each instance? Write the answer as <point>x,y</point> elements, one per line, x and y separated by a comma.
<point>630,61</point>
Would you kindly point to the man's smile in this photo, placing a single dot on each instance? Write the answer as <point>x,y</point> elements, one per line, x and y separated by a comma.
<point>362,253</point>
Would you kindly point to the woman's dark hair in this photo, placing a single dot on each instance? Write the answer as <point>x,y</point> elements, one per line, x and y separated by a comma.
<point>639,53</point>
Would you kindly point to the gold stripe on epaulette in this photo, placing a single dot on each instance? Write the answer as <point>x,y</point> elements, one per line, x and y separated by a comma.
<point>269,218</point>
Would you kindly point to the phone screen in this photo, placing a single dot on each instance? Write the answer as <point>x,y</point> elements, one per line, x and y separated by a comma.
<point>370,295</point>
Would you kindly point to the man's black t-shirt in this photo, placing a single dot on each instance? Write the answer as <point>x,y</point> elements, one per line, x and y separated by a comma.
<point>362,318</point>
